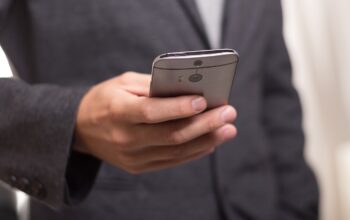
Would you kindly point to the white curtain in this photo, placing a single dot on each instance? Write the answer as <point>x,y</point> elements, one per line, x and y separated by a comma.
<point>318,37</point>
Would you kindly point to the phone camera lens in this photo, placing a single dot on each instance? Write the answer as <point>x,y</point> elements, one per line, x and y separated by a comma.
<point>196,77</point>
<point>198,63</point>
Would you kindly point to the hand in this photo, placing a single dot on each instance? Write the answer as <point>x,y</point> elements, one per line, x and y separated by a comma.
<point>118,123</point>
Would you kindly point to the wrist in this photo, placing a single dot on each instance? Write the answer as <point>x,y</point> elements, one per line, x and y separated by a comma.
<point>79,144</point>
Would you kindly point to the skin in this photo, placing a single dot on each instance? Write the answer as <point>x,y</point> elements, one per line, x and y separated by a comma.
<point>119,123</point>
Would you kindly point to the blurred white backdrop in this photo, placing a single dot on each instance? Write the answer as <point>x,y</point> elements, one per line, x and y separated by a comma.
<point>317,34</point>
<point>5,70</point>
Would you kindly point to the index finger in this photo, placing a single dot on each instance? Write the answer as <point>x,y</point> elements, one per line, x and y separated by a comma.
<point>157,110</point>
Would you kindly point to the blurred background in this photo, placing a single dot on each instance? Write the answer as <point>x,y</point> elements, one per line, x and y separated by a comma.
<point>318,37</point>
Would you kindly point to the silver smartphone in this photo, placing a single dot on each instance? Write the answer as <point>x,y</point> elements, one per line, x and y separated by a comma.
<point>209,73</point>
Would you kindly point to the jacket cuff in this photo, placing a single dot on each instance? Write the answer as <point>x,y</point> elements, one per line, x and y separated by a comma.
<point>81,173</point>
<point>37,130</point>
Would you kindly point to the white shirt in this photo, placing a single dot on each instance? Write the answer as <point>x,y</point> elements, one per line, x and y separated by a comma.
<point>212,12</point>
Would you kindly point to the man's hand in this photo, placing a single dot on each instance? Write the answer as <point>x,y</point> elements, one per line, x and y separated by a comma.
<point>118,123</point>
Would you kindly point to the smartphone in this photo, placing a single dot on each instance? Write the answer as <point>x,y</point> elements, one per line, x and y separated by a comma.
<point>209,73</point>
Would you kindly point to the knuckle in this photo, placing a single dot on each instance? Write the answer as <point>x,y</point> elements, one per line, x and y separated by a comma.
<point>112,109</point>
<point>177,137</point>
<point>147,113</point>
<point>182,108</point>
<point>120,142</point>
<point>124,78</point>
<point>212,125</point>
<point>178,151</point>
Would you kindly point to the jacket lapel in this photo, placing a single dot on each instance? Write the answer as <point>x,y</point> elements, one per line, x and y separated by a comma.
<point>191,11</point>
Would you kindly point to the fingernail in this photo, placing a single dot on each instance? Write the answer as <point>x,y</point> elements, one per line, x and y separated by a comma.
<point>228,115</point>
<point>199,104</point>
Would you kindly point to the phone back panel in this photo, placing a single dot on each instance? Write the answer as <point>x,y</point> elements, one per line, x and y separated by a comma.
<point>213,78</point>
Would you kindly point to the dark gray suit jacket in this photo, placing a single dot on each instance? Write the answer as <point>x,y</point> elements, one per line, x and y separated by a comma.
<point>7,204</point>
<point>59,48</point>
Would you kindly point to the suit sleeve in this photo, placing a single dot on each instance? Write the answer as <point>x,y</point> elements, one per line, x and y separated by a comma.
<point>282,119</point>
<point>5,6</point>
<point>36,136</point>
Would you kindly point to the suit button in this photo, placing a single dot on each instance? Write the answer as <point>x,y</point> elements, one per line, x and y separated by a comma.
<point>13,180</point>
<point>38,190</point>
